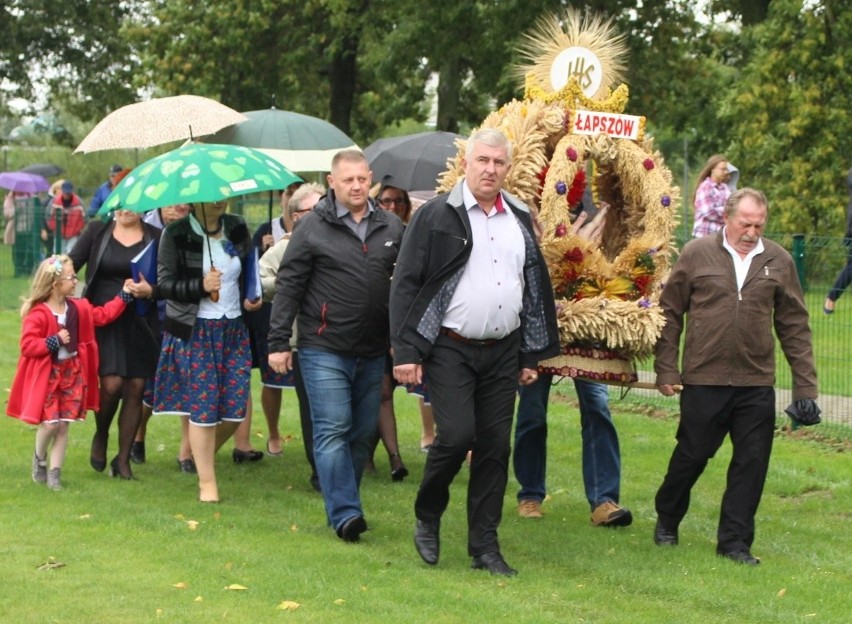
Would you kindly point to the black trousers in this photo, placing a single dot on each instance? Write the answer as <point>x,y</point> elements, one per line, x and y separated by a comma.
<point>707,415</point>
<point>473,390</point>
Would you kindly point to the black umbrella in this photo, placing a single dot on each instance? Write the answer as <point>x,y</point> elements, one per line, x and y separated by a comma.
<point>46,170</point>
<point>415,160</point>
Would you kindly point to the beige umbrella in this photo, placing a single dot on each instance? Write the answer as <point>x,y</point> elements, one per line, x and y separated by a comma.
<point>157,121</point>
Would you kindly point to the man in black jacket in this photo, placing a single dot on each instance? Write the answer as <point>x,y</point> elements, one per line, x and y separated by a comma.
<point>336,275</point>
<point>472,306</point>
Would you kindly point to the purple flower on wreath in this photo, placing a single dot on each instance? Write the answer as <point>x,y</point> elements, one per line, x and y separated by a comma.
<point>652,251</point>
<point>666,201</point>
<point>229,248</point>
<point>561,188</point>
<point>644,302</point>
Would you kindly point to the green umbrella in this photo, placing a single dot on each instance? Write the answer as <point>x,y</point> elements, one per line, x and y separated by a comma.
<point>198,172</point>
<point>299,142</point>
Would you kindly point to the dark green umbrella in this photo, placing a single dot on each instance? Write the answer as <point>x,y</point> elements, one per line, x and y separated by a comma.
<point>299,142</point>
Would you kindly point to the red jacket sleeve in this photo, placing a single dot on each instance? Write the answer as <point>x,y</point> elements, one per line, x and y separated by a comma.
<point>37,325</point>
<point>108,312</point>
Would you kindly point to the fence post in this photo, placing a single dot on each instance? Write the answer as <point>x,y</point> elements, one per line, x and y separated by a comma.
<point>799,258</point>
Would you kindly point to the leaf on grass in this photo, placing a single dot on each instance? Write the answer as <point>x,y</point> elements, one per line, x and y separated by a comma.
<point>158,612</point>
<point>192,524</point>
<point>180,517</point>
<point>781,592</point>
<point>84,517</point>
<point>181,585</point>
<point>198,599</point>
<point>235,586</point>
<point>294,527</point>
<point>289,605</point>
<point>217,515</point>
<point>339,601</point>
<point>229,565</point>
<point>50,564</point>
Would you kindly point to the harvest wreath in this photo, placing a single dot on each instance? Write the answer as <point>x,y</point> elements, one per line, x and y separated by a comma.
<point>606,292</point>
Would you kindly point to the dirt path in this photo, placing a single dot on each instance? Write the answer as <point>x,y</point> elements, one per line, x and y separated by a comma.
<point>835,409</point>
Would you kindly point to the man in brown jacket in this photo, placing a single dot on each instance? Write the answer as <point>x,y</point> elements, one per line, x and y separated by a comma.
<point>732,288</point>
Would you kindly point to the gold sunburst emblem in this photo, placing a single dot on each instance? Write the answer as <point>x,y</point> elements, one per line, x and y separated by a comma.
<point>573,59</point>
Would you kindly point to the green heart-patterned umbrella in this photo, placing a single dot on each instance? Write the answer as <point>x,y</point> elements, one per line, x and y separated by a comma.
<point>198,172</point>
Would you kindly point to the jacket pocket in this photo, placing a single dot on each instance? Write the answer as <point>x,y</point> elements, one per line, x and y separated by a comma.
<point>444,248</point>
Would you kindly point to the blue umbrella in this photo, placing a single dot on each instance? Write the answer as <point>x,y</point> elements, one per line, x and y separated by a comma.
<point>23,182</point>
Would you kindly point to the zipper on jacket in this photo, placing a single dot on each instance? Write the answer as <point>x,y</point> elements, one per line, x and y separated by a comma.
<point>324,324</point>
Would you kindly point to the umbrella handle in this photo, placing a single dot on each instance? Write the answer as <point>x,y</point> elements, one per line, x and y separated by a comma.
<point>214,294</point>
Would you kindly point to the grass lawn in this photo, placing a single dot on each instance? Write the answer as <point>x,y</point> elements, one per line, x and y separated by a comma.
<point>132,551</point>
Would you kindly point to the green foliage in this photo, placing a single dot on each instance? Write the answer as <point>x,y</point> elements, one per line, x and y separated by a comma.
<point>789,114</point>
<point>75,48</point>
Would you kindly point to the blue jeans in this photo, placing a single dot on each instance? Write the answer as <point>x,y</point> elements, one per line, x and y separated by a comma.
<point>344,394</point>
<point>601,455</point>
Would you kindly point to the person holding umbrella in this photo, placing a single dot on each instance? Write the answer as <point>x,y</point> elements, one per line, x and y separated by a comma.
<point>205,362</point>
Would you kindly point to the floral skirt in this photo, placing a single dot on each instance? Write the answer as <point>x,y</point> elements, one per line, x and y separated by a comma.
<point>64,400</point>
<point>206,377</point>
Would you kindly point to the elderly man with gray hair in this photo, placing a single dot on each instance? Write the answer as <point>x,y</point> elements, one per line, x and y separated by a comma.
<point>472,307</point>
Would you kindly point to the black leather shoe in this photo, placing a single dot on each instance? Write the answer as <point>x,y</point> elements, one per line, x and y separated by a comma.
<point>427,540</point>
<point>187,466</point>
<point>740,556</point>
<point>97,464</point>
<point>246,456</point>
<point>350,531</point>
<point>137,452</point>
<point>494,563</point>
<point>315,483</point>
<point>664,536</point>
<point>115,470</point>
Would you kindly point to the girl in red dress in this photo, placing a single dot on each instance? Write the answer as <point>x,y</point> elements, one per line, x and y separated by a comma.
<point>56,381</point>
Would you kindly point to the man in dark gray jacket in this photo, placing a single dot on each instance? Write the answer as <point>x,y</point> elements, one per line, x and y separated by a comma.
<point>472,305</point>
<point>336,275</point>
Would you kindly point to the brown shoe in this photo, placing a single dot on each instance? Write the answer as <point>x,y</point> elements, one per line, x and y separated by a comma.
<point>529,509</point>
<point>610,514</point>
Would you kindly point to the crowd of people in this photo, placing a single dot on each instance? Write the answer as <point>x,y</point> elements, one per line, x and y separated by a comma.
<point>360,294</point>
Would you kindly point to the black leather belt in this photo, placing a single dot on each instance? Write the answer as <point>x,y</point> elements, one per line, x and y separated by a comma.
<point>449,333</point>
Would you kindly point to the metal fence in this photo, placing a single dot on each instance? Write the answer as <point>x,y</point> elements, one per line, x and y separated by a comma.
<point>819,260</point>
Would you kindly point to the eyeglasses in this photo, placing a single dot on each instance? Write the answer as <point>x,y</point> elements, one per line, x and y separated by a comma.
<point>389,201</point>
<point>69,278</point>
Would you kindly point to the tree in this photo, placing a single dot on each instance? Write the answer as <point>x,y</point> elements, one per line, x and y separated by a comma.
<point>789,114</point>
<point>75,49</point>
